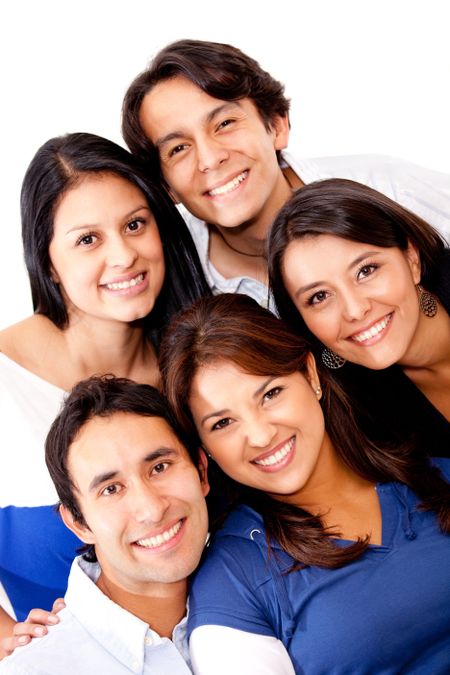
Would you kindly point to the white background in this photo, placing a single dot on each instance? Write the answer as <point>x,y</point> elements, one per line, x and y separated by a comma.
<point>364,77</point>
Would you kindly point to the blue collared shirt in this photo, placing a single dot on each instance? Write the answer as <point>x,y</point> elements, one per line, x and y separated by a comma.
<point>97,636</point>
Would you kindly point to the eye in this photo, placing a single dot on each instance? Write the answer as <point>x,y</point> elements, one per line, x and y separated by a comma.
<point>135,225</point>
<point>366,270</point>
<point>87,239</point>
<point>110,490</point>
<point>161,467</point>
<point>318,297</point>
<point>272,393</point>
<point>221,424</point>
<point>224,124</point>
<point>177,149</point>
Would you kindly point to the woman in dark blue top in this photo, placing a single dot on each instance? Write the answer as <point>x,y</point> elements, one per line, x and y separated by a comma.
<point>337,553</point>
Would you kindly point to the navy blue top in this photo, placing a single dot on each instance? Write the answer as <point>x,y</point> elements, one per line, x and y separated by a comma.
<point>385,613</point>
<point>36,552</point>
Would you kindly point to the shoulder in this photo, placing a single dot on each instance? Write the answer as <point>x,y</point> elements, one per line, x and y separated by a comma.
<point>46,655</point>
<point>21,341</point>
<point>443,464</point>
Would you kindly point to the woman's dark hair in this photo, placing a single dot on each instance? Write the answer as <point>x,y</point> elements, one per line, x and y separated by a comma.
<point>101,397</point>
<point>234,328</point>
<point>59,165</point>
<point>220,70</point>
<point>344,208</point>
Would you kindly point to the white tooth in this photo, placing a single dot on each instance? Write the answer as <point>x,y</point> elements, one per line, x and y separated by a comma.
<point>278,456</point>
<point>120,285</point>
<point>152,542</point>
<point>228,187</point>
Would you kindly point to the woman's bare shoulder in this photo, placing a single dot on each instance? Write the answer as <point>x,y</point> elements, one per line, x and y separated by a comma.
<point>21,342</point>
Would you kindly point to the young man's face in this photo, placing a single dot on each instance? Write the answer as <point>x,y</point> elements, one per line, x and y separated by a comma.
<point>218,157</point>
<point>142,499</point>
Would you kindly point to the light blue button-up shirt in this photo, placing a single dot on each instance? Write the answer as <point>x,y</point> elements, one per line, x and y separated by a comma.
<point>97,636</point>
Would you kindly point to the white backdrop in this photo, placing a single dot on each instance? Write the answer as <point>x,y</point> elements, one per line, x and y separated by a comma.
<point>364,76</point>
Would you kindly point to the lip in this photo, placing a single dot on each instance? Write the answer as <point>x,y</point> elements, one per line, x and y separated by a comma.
<point>156,540</point>
<point>381,326</point>
<point>282,462</point>
<point>235,181</point>
<point>135,289</point>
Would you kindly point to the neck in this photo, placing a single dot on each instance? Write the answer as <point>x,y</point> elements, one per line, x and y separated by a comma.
<point>331,482</point>
<point>108,347</point>
<point>430,347</point>
<point>249,238</point>
<point>161,606</point>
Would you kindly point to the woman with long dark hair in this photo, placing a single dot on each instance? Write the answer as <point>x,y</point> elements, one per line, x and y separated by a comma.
<point>110,261</point>
<point>368,283</point>
<point>337,551</point>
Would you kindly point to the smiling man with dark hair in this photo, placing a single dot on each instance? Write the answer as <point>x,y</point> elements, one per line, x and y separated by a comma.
<point>133,490</point>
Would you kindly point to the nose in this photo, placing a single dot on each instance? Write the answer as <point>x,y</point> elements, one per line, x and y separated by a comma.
<point>260,432</point>
<point>210,154</point>
<point>120,252</point>
<point>355,305</point>
<point>148,504</point>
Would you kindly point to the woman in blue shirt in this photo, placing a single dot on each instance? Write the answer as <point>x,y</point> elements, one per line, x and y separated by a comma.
<point>337,552</point>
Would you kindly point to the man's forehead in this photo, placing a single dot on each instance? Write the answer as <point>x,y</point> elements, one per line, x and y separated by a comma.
<point>124,433</point>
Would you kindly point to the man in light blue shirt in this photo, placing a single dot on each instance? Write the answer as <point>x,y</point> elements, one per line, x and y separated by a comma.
<point>133,489</point>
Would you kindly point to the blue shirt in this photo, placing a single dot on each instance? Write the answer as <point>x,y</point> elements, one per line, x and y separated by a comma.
<point>95,636</point>
<point>385,613</point>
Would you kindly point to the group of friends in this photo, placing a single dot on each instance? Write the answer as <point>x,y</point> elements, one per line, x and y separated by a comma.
<point>239,368</point>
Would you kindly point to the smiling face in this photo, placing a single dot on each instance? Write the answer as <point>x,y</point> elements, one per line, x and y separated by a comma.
<point>217,157</point>
<point>358,299</point>
<point>142,499</point>
<point>265,432</point>
<point>106,252</point>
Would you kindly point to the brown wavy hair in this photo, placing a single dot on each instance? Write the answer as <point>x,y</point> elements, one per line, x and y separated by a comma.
<point>233,327</point>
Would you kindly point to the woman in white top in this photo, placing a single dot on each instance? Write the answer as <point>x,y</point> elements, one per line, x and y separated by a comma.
<point>109,260</point>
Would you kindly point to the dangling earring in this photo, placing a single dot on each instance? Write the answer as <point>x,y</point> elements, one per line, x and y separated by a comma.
<point>427,302</point>
<point>331,359</point>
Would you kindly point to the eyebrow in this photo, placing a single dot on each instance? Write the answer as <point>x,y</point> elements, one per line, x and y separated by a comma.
<point>173,135</point>
<point>124,217</point>
<point>354,262</point>
<point>256,393</point>
<point>101,478</point>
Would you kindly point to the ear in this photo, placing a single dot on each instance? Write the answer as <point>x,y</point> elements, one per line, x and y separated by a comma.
<point>53,275</point>
<point>312,375</point>
<point>413,259</point>
<point>203,471</point>
<point>81,531</point>
<point>280,127</point>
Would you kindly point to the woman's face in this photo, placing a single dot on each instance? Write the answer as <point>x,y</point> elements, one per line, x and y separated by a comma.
<point>358,299</point>
<point>106,252</point>
<point>265,432</point>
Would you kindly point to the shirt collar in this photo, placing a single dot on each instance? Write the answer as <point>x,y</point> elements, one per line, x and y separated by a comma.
<point>121,633</point>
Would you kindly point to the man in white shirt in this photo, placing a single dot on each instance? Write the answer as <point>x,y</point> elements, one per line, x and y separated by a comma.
<point>215,125</point>
<point>133,489</point>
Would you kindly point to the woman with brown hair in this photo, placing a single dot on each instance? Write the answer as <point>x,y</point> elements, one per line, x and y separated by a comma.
<point>337,551</point>
<point>368,283</point>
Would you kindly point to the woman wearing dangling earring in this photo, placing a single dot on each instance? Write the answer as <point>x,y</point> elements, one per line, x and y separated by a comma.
<point>368,282</point>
